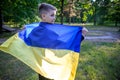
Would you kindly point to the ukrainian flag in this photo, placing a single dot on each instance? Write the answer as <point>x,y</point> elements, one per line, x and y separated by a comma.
<point>51,50</point>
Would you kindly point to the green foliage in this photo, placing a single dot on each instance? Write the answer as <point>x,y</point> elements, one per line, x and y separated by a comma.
<point>19,11</point>
<point>114,10</point>
<point>85,10</point>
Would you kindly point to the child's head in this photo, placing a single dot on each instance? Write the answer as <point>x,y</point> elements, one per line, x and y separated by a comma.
<point>47,12</point>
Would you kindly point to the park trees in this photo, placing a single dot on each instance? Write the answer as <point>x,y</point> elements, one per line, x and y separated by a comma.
<point>100,12</point>
<point>114,12</point>
<point>17,12</point>
<point>84,10</point>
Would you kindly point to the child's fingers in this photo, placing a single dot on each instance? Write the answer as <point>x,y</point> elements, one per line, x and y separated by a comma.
<point>84,31</point>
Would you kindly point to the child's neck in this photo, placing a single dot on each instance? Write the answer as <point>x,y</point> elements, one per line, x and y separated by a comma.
<point>46,22</point>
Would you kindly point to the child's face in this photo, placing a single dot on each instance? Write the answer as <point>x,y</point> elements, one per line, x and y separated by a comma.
<point>49,17</point>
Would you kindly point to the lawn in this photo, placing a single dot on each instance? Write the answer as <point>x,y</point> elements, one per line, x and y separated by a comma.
<point>98,61</point>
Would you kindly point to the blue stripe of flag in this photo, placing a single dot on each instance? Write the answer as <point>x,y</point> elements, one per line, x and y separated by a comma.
<point>52,36</point>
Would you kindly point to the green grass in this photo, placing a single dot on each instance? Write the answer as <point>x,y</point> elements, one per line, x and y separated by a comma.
<point>98,61</point>
<point>13,69</point>
<point>6,34</point>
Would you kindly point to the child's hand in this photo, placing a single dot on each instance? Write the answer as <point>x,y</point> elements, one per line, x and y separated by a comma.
<point>84,31</point>
<point>23,27</point>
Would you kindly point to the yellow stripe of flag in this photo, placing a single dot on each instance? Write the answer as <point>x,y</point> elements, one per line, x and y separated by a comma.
<point>50,63</point>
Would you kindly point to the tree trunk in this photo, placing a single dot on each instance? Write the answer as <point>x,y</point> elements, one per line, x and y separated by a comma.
<point>94,17</point>
<point>1,23</point>
<point>94,13</point>
<point>116,23</point>
<point>62,5</point>
<point>69,13</point>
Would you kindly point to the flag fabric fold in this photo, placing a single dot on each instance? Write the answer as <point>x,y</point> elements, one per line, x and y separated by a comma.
<point>51,50</point>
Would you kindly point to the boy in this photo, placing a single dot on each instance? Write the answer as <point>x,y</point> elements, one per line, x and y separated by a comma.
<point>47,13</point>
<point>51,50</point>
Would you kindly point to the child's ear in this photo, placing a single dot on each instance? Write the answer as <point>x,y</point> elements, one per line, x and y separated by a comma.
<point>43,16</point>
